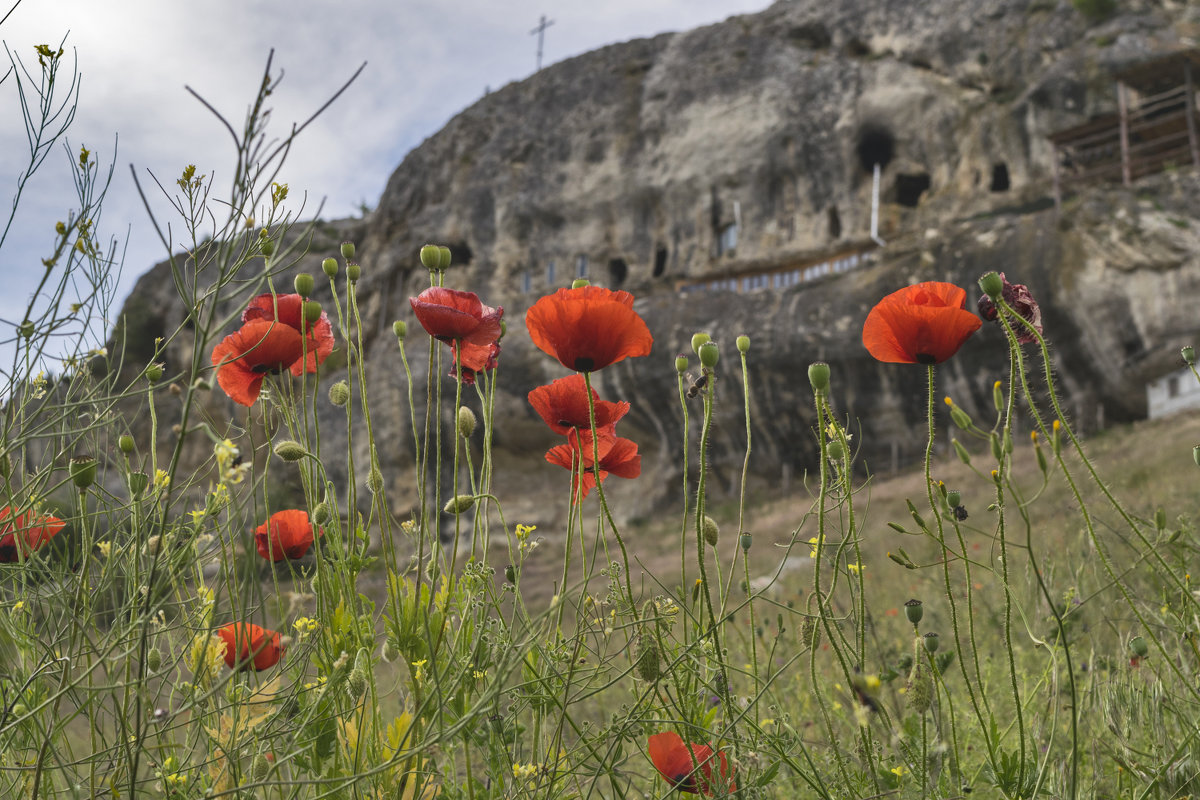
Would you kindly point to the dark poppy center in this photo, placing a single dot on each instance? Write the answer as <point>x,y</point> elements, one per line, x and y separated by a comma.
<point>566,423</point>
<point>585,364</point>
<point>8,552</point>
<point>263,369</point>
<point>925,358</point>
<point>685,782</point>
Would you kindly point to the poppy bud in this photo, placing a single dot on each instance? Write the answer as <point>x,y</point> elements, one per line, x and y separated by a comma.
<point>510,574</point>
<point>330,267</point>
<point>1138,646</point>
<point>347,250</point>
<point>914,611</point>
<point>321,513</point>
<point>459,504</point>
<point>312,312</point>
<point>266,246</point>
<point>290,450</point>
<point>930,640</point>
<point>304,284</point>
<point>699,339</point>
<point>579,283</point>
<point>443,257</point>
<point>963,455</point>
<point>154,372</point>
<point>818,376</point>
<point>430,257</point>
<point>709,354</point>
<point>388,652</point>
<point>1189,354</point>
<point>466,422</point>
<point>353,271</point>
<point>743,344</point>
<point>400,328</point>
<point>126,443</point>
<point>260,767</point>
<point>992,285</point>
<point>1160,519</point>
<point>83,471</point>
<point>339,393</point>
<point>745,540</point>
<point>375,481</point>
<point>712,531</point>
<point>920,686</point>
<point>153,659</point>
<point>503,329</point>
<point>681,363</point>
<point>138,481</point>
<point>646,656</point>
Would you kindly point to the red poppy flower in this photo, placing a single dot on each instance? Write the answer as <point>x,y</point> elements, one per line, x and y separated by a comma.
<point>588,328</point>
<point>618,456</point>
<point>25,532</point>
<point>1020,299</point>
<point>449,316</point>
<point>475,359</point>
<point>286,534</point>
<point>921,324</point>
<point>250,647</point>
<point>689,768</point>
<point>289,309</point>
<point>563,404</point>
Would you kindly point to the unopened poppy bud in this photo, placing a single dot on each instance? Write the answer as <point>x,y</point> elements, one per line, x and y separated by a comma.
<point>745,540</point>
<point>699,339</point>
<point>681,363</point>
<point>998,395</point>
<point>304,284</point>
<point>353,271</point>
<point>347,250</point>
<point>356,683</point>
<point>321,513</point>
<point>579,283</point>
<point>914,611</point>
<point>339,393</point>
<point>1196,454</point>
<point>961,451</point>
<point>709,354</point>
<point>430,257</point>
<point>992,285</point>
<point>503,329</point>
<point>743,344</point>
<point>466,422</point>
<point>1189,354</point>
<point>260,768</point>
<point>443,257</point>
<point>1138,646</point>
<point>266,246</point>
<point>312,312</point>
<point>126,443</point>
<point>818,376</point>
<point>388,652</point>
<point>83,471</point>
<point>290,450</point>
<point>920,686</point>
<point>647,658</point>
<point>510,574</point>
<point>154,372</point>
<point>1160,519</point>
<point>375,481</point>
<point>400,328</point>
<point>459,504</point>
<point>153,659</point>
<point>711,531</point>
<point>138,481</point>
<point>27,329</point>
<point>931,642</point>
<point>330,267</point>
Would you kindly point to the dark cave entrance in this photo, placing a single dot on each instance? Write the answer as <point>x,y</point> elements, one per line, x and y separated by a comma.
<point>876,145</point>
<point>1000,182</point>
<point>909,188</point>
<point>617,272</point>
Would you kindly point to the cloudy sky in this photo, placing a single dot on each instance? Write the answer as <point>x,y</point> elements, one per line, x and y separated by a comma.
<point>426,60</point>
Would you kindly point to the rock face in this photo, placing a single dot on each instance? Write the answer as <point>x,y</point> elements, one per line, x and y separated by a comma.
<point>747,147</point>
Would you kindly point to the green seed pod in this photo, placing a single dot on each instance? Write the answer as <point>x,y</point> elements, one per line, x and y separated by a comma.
<point>339,393</point>
<point>356,683</point>
<point>992,285</point>
<point>459,504</point>
<point>709,354</point>
<point>961,451</point>
<point>347,250</point>
<point>126,443</point>
<point>503,329</point>
<point>289,450</point>
<point>138,481</point>
<point>835,450</point>
<point>400,328</point>
<point>743,344</point>
<point>312,312</point>
<point>353,271</point>
<point>466,422</point>
<point>681,363</point>
<point>1160,519</point>
<point>1138,646</point>
<point>375,481</point>
<point>818,376</point>
<point>153,659</point>
<point>320,513</point>
<point>27,329</point>
<point>430,257</point>
<point>510,574</point>
<point>83,471</point>
<point>914,611</point>
<point>699,339</point>
<point>579,283</point>
<point>647,658</point>
<point>266,246</point>
<point>304,284</point>
<point>1189,354</point>
<point>953,499</point>
<point>931,642</point>
<point>443,257</point>
<point>154,372</point>
<point>330,267</point>
<point>712,532</point>
<point>745,540</point>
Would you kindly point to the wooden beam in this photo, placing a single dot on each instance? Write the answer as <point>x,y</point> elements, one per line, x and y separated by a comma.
<point>1123,107</point>
<point>1189,104</point>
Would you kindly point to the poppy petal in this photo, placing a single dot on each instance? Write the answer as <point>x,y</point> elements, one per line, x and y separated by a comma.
<point>921,324</point>
<point>285,535</point>
<point>450,315</point>
<point>243,358</point>
<point>588,328</point>
<point>563,405</point>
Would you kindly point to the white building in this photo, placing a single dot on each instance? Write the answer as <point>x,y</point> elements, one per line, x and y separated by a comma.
<point>1176,391</point>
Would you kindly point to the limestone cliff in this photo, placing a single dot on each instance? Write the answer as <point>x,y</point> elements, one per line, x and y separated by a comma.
<point>746,148</point>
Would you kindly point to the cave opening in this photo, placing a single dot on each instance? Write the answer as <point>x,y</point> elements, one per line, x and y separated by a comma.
<point>910,187</point>
<point>876,145</point>
<point>660,261</point>
<point>835,223</point>
<point>617,271</point>
<point>1000,182</point>
<point>460,254</point>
